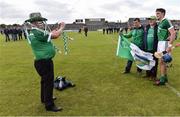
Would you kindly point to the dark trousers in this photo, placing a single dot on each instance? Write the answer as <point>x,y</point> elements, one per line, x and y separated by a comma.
<point>7,38</point>
<point>45,69</point>
<point>129,65</point>
<point>85,34</point>
<point>20,36</point>
<point>153,71</point>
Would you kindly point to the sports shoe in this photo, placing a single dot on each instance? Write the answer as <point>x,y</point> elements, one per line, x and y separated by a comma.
<point>161,81</point>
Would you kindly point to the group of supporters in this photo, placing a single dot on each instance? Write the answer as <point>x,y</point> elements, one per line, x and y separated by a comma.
<point>110,30</point>
<point>157,36</point>
<point>14,34</point>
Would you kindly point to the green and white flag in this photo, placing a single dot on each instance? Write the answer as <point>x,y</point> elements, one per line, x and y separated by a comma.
<point>143,60</point>
<point>123,48</point>
<point>128,50</point>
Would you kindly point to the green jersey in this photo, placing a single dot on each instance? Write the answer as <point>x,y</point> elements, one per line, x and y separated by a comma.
<point>41,44</point>
<point>150,39</point>
<point>163,27</point>
<point>136,35</point>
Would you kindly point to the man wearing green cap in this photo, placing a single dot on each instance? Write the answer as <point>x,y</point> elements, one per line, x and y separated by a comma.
<point>43,49</point>
<point>150,44</point>
<point>166,36</point>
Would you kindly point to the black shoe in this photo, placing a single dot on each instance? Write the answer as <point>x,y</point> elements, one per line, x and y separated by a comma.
<point>53,108</point>
<point>54,98</point>
<point>153,78</point>
<point>126,72</point>
<point>146,76</point>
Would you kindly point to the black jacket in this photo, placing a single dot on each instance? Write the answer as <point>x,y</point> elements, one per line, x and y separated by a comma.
<point>155,38</point>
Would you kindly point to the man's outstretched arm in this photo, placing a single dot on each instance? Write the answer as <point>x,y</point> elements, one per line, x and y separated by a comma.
<point>56,33</point>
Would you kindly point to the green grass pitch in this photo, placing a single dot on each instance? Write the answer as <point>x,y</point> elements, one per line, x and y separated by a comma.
<point>100,89</point>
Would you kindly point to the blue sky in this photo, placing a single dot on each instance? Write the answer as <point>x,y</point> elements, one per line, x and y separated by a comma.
<point>16,11</point>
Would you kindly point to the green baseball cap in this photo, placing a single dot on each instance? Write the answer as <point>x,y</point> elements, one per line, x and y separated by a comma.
<point>35,17</point>
<point>152,18</point>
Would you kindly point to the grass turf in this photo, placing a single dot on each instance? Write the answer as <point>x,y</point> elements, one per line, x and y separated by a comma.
<point>100,89</point>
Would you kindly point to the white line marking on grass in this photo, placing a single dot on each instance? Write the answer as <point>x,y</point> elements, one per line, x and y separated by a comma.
<point>173,89</point>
